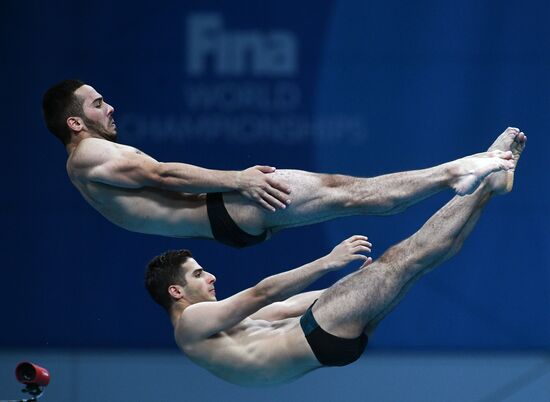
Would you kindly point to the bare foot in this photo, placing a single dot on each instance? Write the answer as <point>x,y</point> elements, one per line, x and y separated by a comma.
<point>504,141</point>
<point>469,172</point>
<point>512,139</point>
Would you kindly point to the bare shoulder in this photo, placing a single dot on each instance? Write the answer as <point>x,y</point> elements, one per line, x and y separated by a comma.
<point>186,328</point>
<point>205,319</point>
<point>196,313</point>
<point>89,152</point>
<point>92,152</point>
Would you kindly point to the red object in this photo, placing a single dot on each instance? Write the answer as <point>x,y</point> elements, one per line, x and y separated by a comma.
<point>30,373</point>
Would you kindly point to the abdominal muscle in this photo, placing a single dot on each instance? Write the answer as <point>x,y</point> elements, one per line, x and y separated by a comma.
<point>256,353</point>
<point>151,211</point>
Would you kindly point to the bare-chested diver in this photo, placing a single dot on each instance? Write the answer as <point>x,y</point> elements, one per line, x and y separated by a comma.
<point>136,192</point>
<point>272,333</point>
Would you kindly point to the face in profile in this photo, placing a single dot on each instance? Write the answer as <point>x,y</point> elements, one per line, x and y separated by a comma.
<point>199,283</point>
<point>98,114</point>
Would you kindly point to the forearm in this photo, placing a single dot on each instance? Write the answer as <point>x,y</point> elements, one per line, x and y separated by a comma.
<point>298,304</point>
<point>194,179</point>
<point>294,306</point>
<point>286,284</point>
<point>205,319</point>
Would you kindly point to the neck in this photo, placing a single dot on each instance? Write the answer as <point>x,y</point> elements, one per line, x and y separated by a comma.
<point>70,147</point>
<point>76,139</point>
<point>175,312</point>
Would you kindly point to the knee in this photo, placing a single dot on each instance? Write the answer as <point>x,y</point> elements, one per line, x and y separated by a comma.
<point>332,189</point>
<point>393,258</point>
<point>403,261</point>
<point>425,252</point>
<point>332,180</point>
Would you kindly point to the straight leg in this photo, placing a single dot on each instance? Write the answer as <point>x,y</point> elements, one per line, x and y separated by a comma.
<point>358,302</point>
<point>320,197</point>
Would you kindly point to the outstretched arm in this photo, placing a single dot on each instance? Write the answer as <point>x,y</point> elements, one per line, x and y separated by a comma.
<point>123,166</point>
<point>294,306</point>
<point>202,320</point>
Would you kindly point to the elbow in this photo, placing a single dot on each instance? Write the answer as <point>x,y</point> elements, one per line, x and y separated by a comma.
<point>265,293</point>
<point>160,176</point>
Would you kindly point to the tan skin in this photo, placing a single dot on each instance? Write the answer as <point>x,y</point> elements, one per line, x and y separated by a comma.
<point>123,183</point>
<point>140,194</point>
<point>254,337</point>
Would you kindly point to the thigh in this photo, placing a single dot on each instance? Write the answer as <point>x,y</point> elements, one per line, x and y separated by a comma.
<point>313,200</point>
<point>346,308</point>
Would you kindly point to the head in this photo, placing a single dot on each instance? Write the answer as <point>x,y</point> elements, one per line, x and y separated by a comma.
<point>175,277</point>
<point>71,109</point>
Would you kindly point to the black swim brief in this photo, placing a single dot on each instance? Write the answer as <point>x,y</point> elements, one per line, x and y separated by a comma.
<point>224,229</point>
<point>331,350</point>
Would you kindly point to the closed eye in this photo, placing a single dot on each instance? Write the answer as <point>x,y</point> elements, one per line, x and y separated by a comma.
<point>98,102</point>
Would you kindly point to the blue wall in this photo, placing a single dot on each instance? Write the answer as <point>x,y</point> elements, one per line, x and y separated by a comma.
<point>353,87</point>
<point>131,375</point>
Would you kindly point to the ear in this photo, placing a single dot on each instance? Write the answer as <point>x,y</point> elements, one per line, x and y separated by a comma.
<point>175,291</point>
<point>75,124</point>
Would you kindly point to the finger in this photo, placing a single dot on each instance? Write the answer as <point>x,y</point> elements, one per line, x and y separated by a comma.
<point>265,169</point>
<point>358,237</point>
<point>367,262</point>
<point>278,185</point>
<point>264,204</point>
<point>283,198</point>
<point>364,243</point>
<point>357,257</point>
<point>358,249</point>
<point>361,242</point>
<point>274,202</point>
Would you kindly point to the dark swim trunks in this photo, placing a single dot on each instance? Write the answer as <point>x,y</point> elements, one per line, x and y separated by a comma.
<point>331,350</point>
<point>224,229</point>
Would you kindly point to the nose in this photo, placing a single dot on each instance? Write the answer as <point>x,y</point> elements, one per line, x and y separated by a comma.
<point>212,278</point>
<point>110,109</point>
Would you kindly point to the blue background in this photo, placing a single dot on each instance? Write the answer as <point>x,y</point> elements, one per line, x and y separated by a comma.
<point>382,87</point>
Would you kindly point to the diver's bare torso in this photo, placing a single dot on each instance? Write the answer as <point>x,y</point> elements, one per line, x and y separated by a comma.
<point>254,352</point>
<point>178,214</point>
<point>143,210</point>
